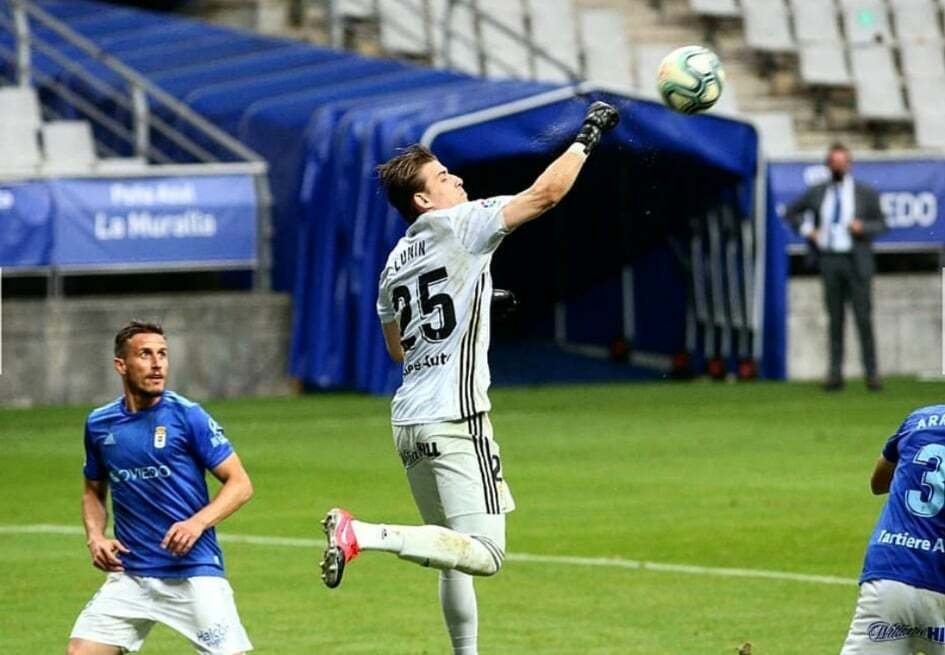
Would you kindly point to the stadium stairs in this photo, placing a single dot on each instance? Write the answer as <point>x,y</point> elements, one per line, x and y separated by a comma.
<point>762,83</point>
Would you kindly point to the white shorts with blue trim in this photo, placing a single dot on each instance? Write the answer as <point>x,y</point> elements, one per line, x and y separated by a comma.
<point>893,618</point>
<point>202,608</point>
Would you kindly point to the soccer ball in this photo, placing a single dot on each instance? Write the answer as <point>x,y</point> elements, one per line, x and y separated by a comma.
<point>690,79</point>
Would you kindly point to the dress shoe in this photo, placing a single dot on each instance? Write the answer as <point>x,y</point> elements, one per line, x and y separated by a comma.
<point>833,384</point>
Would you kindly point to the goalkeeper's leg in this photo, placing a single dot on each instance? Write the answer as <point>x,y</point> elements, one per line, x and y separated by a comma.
<point>479,552</point>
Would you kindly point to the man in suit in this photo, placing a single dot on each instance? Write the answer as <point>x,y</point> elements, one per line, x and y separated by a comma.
<point>839,219</point>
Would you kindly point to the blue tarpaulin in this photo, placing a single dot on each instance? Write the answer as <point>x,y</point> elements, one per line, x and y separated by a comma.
<point>324,120</point>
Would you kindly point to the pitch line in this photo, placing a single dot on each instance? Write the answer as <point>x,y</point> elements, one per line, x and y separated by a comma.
<point>606,562</point>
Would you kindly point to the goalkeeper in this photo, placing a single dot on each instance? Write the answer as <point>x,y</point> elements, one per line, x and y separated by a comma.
<point>434,304</point>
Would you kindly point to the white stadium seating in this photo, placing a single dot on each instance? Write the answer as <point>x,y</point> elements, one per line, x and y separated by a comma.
<point>767,25</point>
<point>19,105</point>
<point>815,21</point>
<point>554,31</point>
<point>68,146</point>
<point>606,48</point>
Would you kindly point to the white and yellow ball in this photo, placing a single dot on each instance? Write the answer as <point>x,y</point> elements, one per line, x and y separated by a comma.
<point>690,79</point>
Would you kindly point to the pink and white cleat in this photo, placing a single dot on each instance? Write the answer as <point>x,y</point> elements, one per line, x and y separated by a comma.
<point>342,546</point>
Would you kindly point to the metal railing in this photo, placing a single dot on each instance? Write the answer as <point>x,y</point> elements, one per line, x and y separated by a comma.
<point>451,36</point>
<point>147,122</point>
<point>139,97</point>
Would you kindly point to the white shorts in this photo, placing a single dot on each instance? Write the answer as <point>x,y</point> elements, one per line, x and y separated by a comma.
<point>125,608</point>
<point>454,469</point>
<point>893,618</point>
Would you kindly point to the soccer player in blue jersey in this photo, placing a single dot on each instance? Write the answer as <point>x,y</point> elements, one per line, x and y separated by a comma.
<point>153,447</point>
<point>901,605</point>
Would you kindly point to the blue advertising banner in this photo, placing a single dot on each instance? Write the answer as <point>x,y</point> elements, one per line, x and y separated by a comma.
<point>912,193</point>
<point>26,217</point>
<point>154,221</point>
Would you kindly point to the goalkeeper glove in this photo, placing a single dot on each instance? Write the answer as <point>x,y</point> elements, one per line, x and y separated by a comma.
<point>600,118</point>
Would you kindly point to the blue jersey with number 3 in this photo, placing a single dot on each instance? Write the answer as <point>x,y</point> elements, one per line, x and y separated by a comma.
<point>908,543</point>
<point>154,461</point>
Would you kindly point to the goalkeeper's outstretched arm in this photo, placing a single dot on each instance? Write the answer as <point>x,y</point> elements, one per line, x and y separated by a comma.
<point>556,180</point>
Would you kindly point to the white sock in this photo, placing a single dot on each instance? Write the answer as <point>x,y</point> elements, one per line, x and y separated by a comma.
<point>432,545</point>
<point>377,536</point>
<point>458,600</point>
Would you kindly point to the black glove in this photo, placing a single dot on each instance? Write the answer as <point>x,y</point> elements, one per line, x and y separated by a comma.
<point>504,304</point>
<point>600,118</point>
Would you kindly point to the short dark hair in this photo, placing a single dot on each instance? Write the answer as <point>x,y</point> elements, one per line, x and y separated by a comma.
<point>400,177</point>
<point>134,327</point>
<point>837,146</point>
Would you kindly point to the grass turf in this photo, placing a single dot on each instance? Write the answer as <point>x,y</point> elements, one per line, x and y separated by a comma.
<point>759,476</point>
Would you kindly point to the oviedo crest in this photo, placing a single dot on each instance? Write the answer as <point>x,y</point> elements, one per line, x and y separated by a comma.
<point>160,436</point>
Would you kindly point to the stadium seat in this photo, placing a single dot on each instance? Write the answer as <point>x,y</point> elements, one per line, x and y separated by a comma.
<point>68,146</point>
<point>930,128</point>
<point>873,61</point>
<point>20,147</point>
<point>824,64</point>
<point>554,31</point>
<point>815,21</point>
<point>866,21</point>
<point>926,94</point>
<point>879,100</point>
<point>121,165</point>
<point>401,31</point>
<point>646,62</point>
<point>720,8</point>
<point>877,82</point>
<point>777,132</point>
<point>506,56</point>
<point>606,48</point>
<point>355,8</point>
<point>19,105</point>
<point>459,52</point>
<point>767,26</point>
<point>727,102</point>
<point>922,59</point>
<point>917,21</point>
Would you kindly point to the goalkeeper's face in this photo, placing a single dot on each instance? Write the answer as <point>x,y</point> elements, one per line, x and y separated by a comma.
<point>441,189</point>
<point>143,365</point>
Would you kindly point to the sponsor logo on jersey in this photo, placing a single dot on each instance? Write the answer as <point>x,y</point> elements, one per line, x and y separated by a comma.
<point>139,473</point>
<point>217,438</point>
<point>423,449</point>
<point>430,361</point>
<point>160,436</point>
<point>880,631</point>
<point>488,202</point>
<point>109,440</point>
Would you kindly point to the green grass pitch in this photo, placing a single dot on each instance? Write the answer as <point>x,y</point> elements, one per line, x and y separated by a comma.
<point>762,477</point>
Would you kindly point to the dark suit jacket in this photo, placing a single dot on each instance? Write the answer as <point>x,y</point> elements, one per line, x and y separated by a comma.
<point>866,207</point>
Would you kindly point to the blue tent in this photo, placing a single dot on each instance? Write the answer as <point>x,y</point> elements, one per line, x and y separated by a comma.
<point>323,120</point>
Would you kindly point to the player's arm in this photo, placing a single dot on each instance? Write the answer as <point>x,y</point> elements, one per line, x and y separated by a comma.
<point>95,518</point>
<point>556,180</point>
<point>392,339</point>
<point>236,491</point>
<point>882,476</point>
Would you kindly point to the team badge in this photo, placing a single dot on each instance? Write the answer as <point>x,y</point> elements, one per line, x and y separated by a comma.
<point>160,436</point>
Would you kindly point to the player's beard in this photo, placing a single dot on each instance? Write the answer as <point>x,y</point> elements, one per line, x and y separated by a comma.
<point>141,391</point>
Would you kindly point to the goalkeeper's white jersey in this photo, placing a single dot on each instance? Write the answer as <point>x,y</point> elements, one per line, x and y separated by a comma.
<point>438,286</point>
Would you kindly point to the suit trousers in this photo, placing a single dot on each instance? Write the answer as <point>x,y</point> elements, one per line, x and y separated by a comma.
<point>848,277</point>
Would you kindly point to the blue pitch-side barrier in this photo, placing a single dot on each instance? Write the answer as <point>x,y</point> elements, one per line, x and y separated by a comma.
<point>148,222</point>
<point>323,120</point>
<point>912,193</point>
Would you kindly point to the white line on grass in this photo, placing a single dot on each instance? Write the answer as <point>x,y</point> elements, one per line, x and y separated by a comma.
<point>607,562</point>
